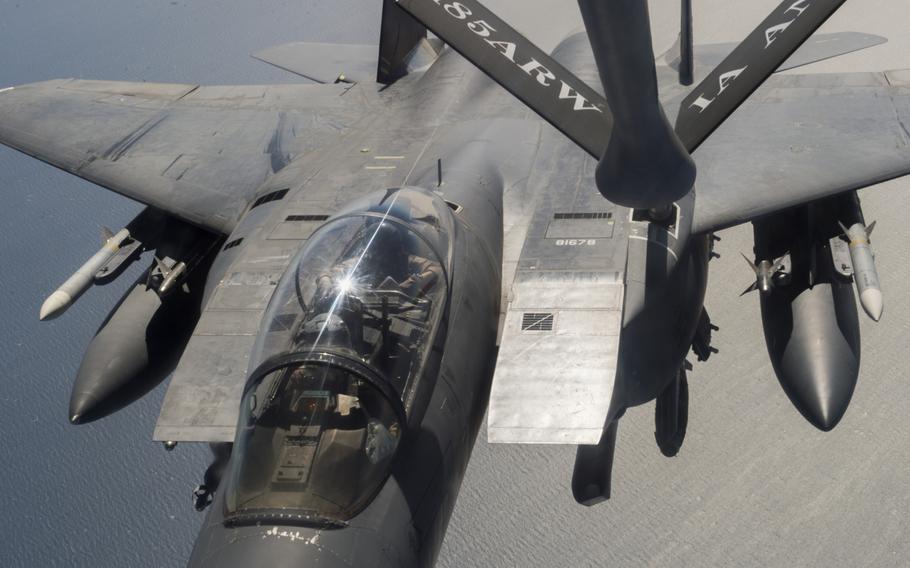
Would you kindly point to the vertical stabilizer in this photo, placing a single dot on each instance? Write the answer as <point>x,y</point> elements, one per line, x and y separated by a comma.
<point>398,36</point>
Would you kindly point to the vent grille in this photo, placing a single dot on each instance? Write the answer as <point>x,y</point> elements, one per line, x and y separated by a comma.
<point>537,321</point>
<point>594,215</point>
<point>269,197</point>
<point>232,244</point>
<point>306,217</point>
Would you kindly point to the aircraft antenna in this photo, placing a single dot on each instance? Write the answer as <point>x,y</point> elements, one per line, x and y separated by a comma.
<point>686,44</point>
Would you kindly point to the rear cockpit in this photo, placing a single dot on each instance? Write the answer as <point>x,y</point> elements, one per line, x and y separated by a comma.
<point>339,361</point>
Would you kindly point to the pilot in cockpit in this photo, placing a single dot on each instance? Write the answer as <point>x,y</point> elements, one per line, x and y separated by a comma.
<point>381,260</point>
<point>375,295</point>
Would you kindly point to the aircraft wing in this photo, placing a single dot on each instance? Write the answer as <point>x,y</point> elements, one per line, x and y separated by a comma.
<point>198,153</point>
<point>801,138</point>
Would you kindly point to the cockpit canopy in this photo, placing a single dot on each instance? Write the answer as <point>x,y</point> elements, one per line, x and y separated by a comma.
<point>369,285</point>
<point>339,359</point>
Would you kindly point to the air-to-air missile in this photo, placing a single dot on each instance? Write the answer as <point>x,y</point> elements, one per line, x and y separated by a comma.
<point>767,275</point>
<point>68,292</point>
<point>865,276</point>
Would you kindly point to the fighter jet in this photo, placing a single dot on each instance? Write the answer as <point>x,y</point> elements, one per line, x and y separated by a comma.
<point>347,275</point>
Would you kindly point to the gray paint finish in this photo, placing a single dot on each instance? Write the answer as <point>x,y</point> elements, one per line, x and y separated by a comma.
<point>633,524</point>
<point>195,152</point>
<point>802,137</point>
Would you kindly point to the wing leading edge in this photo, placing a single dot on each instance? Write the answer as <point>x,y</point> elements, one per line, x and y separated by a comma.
<point>198,153</point>
<point>801,138</point>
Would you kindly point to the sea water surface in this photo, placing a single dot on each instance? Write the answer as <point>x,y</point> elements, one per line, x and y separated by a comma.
<point>104,494</point>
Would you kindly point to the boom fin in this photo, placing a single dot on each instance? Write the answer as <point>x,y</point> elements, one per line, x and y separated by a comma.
<point>769,45</point>
<point>520,67</point>
<point>817,48</point>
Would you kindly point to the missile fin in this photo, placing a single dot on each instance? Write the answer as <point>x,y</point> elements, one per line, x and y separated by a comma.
<point>752,287</point>
<point>870,228</point>
<point>751,264</point>
<point>162,266</point>
<point>844,229</point>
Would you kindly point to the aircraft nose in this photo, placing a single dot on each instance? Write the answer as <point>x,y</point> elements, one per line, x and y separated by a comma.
<point>299,547</point>
<point>820,379</point>
<point>821,390</point>
<point>813,340</point>
<point>275,547</point>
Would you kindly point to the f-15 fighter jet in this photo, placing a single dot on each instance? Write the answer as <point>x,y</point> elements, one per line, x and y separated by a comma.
<point>346,273</point>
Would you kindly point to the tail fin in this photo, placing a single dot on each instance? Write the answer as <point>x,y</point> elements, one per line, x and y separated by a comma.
<point>402,48</point>
<point>399,35</point>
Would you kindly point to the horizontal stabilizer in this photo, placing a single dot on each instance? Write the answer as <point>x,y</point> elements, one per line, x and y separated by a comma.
<point>816,48</point>
<point>324,62</point>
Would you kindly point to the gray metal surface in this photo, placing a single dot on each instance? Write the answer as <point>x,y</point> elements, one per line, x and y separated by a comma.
<point>419,141</point>
<point>571,260</point>
<point>557,361</point>
<point>799,137</point>
<point>802,137</point>
<point>195,152</point>
<point>754,485</point>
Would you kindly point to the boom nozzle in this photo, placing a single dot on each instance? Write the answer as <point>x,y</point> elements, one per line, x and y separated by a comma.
<point>645,166</point>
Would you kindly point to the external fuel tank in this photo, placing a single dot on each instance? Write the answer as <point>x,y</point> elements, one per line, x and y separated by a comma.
<point>810,320</point>
<point>135,348</point>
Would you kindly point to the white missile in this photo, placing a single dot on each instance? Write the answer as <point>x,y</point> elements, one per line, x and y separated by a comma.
<point>864,274</point>
<point>68,292</point>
